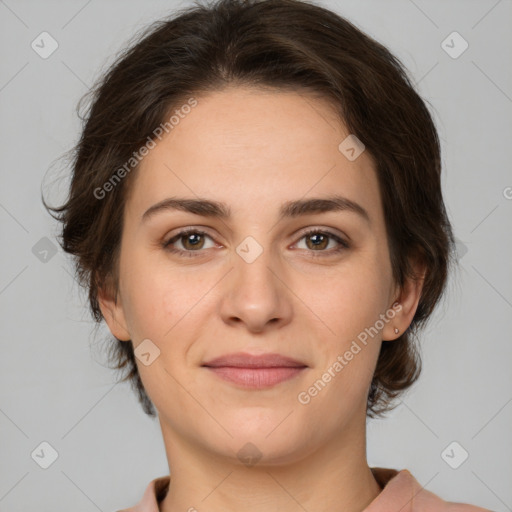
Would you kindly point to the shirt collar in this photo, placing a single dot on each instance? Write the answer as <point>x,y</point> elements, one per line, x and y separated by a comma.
<point>398,491</point>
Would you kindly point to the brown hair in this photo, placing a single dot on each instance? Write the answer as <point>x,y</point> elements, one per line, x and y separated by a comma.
<point>283,44</point>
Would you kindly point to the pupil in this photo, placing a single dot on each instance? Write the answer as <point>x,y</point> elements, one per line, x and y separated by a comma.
<point>190,237</point>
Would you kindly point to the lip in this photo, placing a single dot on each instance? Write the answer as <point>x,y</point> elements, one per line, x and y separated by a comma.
<point>244,360</point>
<point>255,371</point>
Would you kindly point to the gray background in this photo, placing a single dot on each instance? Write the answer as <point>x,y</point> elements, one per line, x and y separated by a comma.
<point>54,383</point>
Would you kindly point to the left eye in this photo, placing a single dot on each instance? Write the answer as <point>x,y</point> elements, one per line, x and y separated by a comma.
<point>316,242</point>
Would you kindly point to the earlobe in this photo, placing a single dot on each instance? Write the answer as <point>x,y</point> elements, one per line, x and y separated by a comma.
<point>405,305</point>
<point>113,313</point>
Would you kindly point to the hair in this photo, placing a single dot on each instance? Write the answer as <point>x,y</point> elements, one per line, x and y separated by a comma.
<point>290,45</point>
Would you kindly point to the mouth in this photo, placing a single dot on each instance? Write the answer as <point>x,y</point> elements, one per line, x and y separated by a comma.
<point>255,371</point>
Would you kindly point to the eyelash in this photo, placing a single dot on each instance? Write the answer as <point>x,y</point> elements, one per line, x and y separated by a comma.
<point>317,254</point>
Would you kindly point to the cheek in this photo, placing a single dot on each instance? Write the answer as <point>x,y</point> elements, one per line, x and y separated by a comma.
<point>160,293</point>
<point>158,308</point>
<point>351,300</point>
<point>144,312</point>
<point>146,305</point>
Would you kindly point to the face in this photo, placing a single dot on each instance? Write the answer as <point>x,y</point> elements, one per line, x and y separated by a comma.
<point>271,277</point>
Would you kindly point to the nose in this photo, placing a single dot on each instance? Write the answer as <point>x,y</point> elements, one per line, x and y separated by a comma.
<point>256,295</point>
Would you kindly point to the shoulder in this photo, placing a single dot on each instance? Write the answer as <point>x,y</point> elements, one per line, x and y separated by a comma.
<point>402,491</point>
<point>153,494</point>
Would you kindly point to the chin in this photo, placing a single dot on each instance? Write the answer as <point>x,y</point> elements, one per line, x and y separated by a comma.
<point>269,452</point>
<point>270,444</point>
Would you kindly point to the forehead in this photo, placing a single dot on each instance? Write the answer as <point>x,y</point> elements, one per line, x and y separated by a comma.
<point>247,146</point>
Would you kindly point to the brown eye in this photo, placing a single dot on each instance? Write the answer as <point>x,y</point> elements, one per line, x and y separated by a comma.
<point>191,240</point>
<point>317,241</point>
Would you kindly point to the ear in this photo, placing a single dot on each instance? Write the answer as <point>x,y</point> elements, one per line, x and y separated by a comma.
<point>407,299</point>
<point>112,310</point>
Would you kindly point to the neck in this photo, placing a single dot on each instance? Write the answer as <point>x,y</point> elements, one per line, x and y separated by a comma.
<point>334,477</point>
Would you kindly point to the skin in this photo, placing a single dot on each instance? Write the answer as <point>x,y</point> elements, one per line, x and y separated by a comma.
<point>255,150</point>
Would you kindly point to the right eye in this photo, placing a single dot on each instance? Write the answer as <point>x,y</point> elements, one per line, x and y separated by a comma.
<point>190,240</point>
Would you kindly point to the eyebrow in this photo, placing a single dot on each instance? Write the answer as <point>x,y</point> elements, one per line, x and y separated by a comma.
<point>290,209</point>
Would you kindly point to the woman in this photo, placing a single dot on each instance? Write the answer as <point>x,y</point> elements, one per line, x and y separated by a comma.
<point>256,213</point>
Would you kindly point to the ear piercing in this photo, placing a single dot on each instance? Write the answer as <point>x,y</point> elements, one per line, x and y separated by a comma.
<point>396,328</point>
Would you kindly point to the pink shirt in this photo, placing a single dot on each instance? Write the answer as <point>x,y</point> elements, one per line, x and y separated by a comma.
<point>401,492</point>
